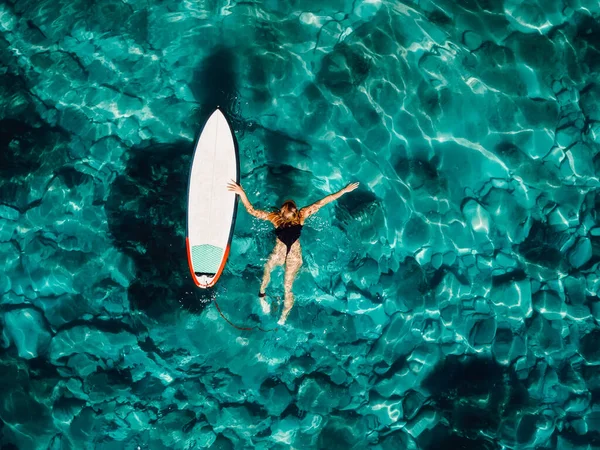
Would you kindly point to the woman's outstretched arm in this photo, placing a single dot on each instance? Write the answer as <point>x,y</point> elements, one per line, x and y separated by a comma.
<point>311,209</point>
<point>239,190</point>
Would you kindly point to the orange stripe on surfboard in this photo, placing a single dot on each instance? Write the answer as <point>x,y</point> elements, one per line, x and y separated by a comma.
<point>189,255</point>
<point>225,256</point>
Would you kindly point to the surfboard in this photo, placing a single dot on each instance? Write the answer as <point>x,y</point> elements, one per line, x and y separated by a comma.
<point>211,207</point>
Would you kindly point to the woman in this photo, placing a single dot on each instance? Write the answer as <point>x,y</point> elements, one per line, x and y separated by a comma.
<point>288,222</point>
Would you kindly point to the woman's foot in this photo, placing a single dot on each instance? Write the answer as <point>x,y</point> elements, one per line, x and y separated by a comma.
<point>283,318</point>
<point>263,303</point>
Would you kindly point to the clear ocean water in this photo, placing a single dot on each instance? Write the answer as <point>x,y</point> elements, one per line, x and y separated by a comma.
<point>451,302</point>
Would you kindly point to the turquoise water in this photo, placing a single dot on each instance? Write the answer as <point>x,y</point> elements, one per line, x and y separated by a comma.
<point>449,303</point>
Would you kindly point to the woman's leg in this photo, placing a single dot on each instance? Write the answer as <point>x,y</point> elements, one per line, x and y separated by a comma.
<point>275,259</point>
<point>292,266</point>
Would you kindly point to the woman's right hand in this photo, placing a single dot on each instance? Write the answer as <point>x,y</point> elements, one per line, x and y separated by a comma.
<point>350,187</point>
<point>234,187</point>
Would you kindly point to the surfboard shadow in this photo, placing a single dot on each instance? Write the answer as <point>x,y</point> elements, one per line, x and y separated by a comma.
<point>146,212</point>
<point>214,84</point>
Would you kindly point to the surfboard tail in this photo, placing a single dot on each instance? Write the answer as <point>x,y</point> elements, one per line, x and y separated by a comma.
<point>203,275</point>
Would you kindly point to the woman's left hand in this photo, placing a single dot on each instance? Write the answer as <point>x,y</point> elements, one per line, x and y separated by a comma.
<point>350,187</point>
<point>234,187</point>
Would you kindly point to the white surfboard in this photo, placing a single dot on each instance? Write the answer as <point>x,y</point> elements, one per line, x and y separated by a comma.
<point>211,207</point>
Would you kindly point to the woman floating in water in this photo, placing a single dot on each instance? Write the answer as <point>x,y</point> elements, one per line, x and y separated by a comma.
<point>288,223</point>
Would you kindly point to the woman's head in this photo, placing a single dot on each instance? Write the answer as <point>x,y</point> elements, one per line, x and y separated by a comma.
<point>288,210</point>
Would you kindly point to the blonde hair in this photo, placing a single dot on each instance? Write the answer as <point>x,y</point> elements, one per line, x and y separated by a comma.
<point>288,214</point>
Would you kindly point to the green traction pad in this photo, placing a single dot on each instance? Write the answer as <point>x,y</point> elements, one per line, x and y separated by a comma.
<point>207,258</point>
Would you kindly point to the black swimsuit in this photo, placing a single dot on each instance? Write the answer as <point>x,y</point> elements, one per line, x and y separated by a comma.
<point>288,234</point>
